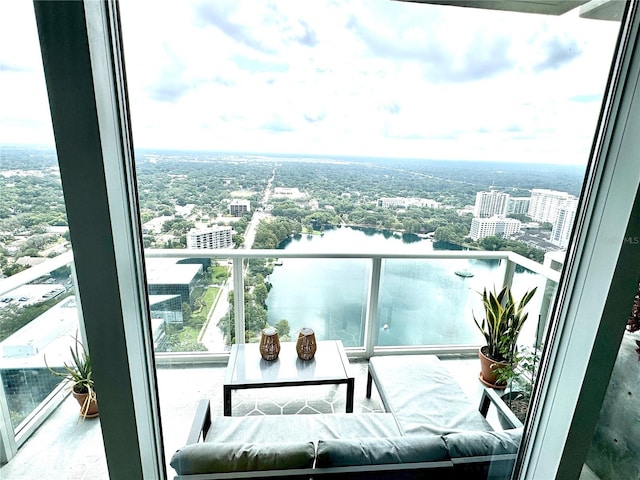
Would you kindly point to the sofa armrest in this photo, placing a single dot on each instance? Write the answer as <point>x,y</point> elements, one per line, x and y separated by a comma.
<point>490,396</point>
<point>201,422</point>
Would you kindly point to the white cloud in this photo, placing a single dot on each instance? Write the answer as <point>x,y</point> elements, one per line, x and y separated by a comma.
<point>340,77</point>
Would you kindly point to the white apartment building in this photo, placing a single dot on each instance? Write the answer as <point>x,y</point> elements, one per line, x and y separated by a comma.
<point>494,226</point>
<point>237,208</point>
<point>213,237</point>
<point>391,202</point>
<point>491,204</point>
<point>287,192</point>
<point>404,202</point>
<point>545,203</point>
<point>518,205</point>
<point>565,217</point>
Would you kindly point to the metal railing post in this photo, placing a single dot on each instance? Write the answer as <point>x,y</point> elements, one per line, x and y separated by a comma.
<point>238,298</point>
<point>549,294</point>
<point>371,316</point>
<point>510,270</point>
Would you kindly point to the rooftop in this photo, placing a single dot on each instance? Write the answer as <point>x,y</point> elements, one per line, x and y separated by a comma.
<point>167,271</point>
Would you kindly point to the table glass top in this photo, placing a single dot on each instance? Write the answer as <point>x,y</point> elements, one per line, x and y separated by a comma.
<point>250,367</point>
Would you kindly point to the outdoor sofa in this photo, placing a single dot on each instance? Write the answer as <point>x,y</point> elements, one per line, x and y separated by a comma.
<point>430,430</point>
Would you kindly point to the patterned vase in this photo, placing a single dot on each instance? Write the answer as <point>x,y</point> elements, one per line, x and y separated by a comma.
<point>269,343</point>
<point>306,344</point>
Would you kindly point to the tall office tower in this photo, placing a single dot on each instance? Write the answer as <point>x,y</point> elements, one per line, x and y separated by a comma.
<point>518,205</point>
<point>237,208</point>
<point>491,204</point>
<point>545,203</point>
<point>563,225</point>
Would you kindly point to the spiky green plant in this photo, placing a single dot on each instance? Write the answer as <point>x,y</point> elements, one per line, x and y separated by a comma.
<point>504,318</point>
<point>78,372</point>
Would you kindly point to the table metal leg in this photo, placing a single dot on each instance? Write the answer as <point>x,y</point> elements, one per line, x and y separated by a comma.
<point>350,389</point>
<point>227,401</point>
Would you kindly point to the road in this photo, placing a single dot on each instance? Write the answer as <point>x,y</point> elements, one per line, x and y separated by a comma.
<point>259,214</point>
<point>211,336</point>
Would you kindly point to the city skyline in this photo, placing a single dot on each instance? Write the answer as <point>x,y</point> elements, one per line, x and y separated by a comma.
<point>388,79</point>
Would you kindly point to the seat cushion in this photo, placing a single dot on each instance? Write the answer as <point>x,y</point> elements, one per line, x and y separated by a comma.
<point>470,444</point>
<point>423,395</point>
<point>215,457</point>
<point>376,451</point>
<point>301,428</point>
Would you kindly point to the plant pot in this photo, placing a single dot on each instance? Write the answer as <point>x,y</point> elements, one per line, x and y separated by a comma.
<point>518,403</point>
<point>88,406</point>
<point>487,373</point>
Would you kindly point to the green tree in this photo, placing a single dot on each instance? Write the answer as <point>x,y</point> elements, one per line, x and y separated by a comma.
<point>260,293</point>
<point>284,330</point>
<point>238,240</point>
<point>446,234</point>
<point>492,243</point>
<point>13,269</point>
<point>186,311</point>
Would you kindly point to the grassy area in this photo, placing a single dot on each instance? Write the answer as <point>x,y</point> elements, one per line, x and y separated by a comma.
<point>186,339</point>
<point>187,336</point>
<point>219,274</point>
<point>209,296</point>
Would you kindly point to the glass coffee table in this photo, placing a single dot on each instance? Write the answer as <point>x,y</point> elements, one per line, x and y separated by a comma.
<point>247,369</point>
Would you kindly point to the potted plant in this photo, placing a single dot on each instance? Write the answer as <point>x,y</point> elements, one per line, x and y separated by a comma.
<point>80,376</point>
<point>521,381</point>
<point>504,318</point>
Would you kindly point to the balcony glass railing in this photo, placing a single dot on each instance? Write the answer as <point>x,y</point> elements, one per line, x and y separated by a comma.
<point>39,317</point>
<point>374,303</point>
<point>370,301</point>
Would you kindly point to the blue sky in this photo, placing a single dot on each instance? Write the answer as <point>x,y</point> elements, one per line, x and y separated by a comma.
<point>338,77</point>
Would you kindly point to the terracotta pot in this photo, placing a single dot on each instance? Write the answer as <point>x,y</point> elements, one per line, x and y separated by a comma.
<point>487,373</point>
<point>88,408</point>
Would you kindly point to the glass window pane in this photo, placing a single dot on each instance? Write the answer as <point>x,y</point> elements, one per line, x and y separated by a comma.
<point>40,317</point>
<point>363,128</point>
<point>328,295</point>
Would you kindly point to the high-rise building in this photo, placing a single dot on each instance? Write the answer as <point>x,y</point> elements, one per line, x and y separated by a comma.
<point>561,232</point>
<point>545,203</point>
<point>491,204</point>
<point>518,205</point>
<point>487,227</point>
<point>237,208</point>
<point>214,237</point>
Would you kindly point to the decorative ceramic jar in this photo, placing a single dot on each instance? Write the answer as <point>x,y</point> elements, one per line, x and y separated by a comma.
<point>306,344</point>
<point>269,343</point>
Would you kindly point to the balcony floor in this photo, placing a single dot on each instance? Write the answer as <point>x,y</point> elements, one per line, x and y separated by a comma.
<point>65,447</point>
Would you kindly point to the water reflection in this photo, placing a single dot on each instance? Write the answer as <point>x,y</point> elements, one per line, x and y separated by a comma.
<point>421,302</point>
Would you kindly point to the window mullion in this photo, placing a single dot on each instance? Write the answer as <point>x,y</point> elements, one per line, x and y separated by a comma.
<point>85,83</point>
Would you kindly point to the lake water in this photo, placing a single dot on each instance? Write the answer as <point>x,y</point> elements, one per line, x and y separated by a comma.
<point>422,302</point>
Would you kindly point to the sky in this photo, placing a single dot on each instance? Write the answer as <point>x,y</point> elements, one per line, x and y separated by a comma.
<point>334,77</point>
